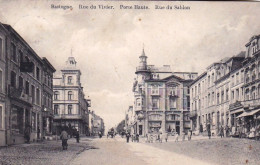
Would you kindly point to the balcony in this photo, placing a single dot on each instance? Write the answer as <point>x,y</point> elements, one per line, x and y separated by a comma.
<point>141,68</point>
<point>193,113</point>
<point>251,103</point>
<point>236,105</point>
<point>68,116</point>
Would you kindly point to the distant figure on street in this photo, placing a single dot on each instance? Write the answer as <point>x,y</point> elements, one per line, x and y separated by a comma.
<point>221,132</point>
<point>209,131</point>
<point>183,136</point>
<point>100,134</point>
<point>189,135</point>
<point>137,137</point>
<point>127,137</point>
<point>77,136</point>
<point>176,137</point>
<point>27,133</point>
<point>227,130</point>
<point>64,138</point>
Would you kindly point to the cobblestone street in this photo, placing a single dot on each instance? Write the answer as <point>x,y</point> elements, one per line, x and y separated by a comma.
<point>48,152</point>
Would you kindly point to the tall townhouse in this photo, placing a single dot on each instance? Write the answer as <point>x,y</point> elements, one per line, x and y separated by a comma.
<point>161,99</point>
<point>47,95</point>
<point>24,88</point>
<point>247,116</point>
<point>3,96</point>
<point>69,103</point>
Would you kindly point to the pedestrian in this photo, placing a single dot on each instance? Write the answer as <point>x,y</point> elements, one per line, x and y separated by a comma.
<point>137,138</point>
<point>77,136</point>
<point>176,137</point>
<point>166,137</point>
<point>64,138</point>
<point>227,130</point>
<point>127,137</point>
<point>189,135</point>
<point>221,132</point>
<point>27,133</point>
<point>183,136</point>
<point>100,134</point>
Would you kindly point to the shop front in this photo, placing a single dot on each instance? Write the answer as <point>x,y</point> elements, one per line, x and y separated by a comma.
<point>248,123</point>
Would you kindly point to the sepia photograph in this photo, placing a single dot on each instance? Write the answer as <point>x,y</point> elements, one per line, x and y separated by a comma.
<point>129,82</point>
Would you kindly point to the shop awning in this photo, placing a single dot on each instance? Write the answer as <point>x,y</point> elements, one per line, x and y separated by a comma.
<point>248,113</point>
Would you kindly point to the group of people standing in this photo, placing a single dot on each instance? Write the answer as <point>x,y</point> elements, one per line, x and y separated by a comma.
<point>134,137</point>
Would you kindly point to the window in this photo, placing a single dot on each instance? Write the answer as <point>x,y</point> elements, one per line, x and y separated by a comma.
<point>56,109</point>
<point>1,80</point>
<point>38,96</point>
<point>1,48</point>
<point>237,78</point>
<point>227,96</point>
<point>70,80</point>
<point>70,95</point>
<point>13,51</point>
<point>247,94</point>
<point>33,121</point>
<point>69,109</point>
<point>233,95</point>
<point>155,103</point>
<point>13,79</point>
<point>218,98</point>
<point>27,87</point>
<point>253,93</point>
<point>173,103</point>
<point>37,73</point>
<point>155,90</point>
<point>199,89</point>
<point>138,102</point>
<point>21,55</point>
<point>33,94</point>
<point>222,97</point>
<point>56,95</point>
<point>213,98</point>
<point>20,82</point>
<point>237,94</point>
<point>242,76</point>
<point>1,117</point>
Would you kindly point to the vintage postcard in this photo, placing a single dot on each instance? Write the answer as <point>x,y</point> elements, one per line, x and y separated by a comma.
<point>129,82</point>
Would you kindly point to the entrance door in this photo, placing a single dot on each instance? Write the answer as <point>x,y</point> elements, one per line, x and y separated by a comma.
<point>140,129</point>
<point>178,129</point>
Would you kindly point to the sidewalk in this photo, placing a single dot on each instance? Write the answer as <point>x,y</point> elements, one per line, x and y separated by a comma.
<point>47,152</point>
<point>172,138</point>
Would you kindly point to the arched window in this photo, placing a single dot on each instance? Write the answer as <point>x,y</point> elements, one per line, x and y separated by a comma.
<point>56,95</point>
<point>247,94</point>
<point>253,93</point>
<point>70,95</point>
<point>56,109</point>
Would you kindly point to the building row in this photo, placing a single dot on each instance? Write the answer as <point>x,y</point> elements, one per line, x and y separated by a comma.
<point>33,97</point>
<point>227,94</point>
<point>25,89</point>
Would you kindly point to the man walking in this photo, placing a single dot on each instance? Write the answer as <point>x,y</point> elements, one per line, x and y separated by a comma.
<point>64,139</point>
<point>127,137</point>
<point>221,132</point>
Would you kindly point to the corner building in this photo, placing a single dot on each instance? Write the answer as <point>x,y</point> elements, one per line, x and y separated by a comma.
<point>161,99</point>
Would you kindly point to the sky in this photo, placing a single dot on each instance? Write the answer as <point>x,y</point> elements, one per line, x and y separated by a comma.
<point>107,43</point>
